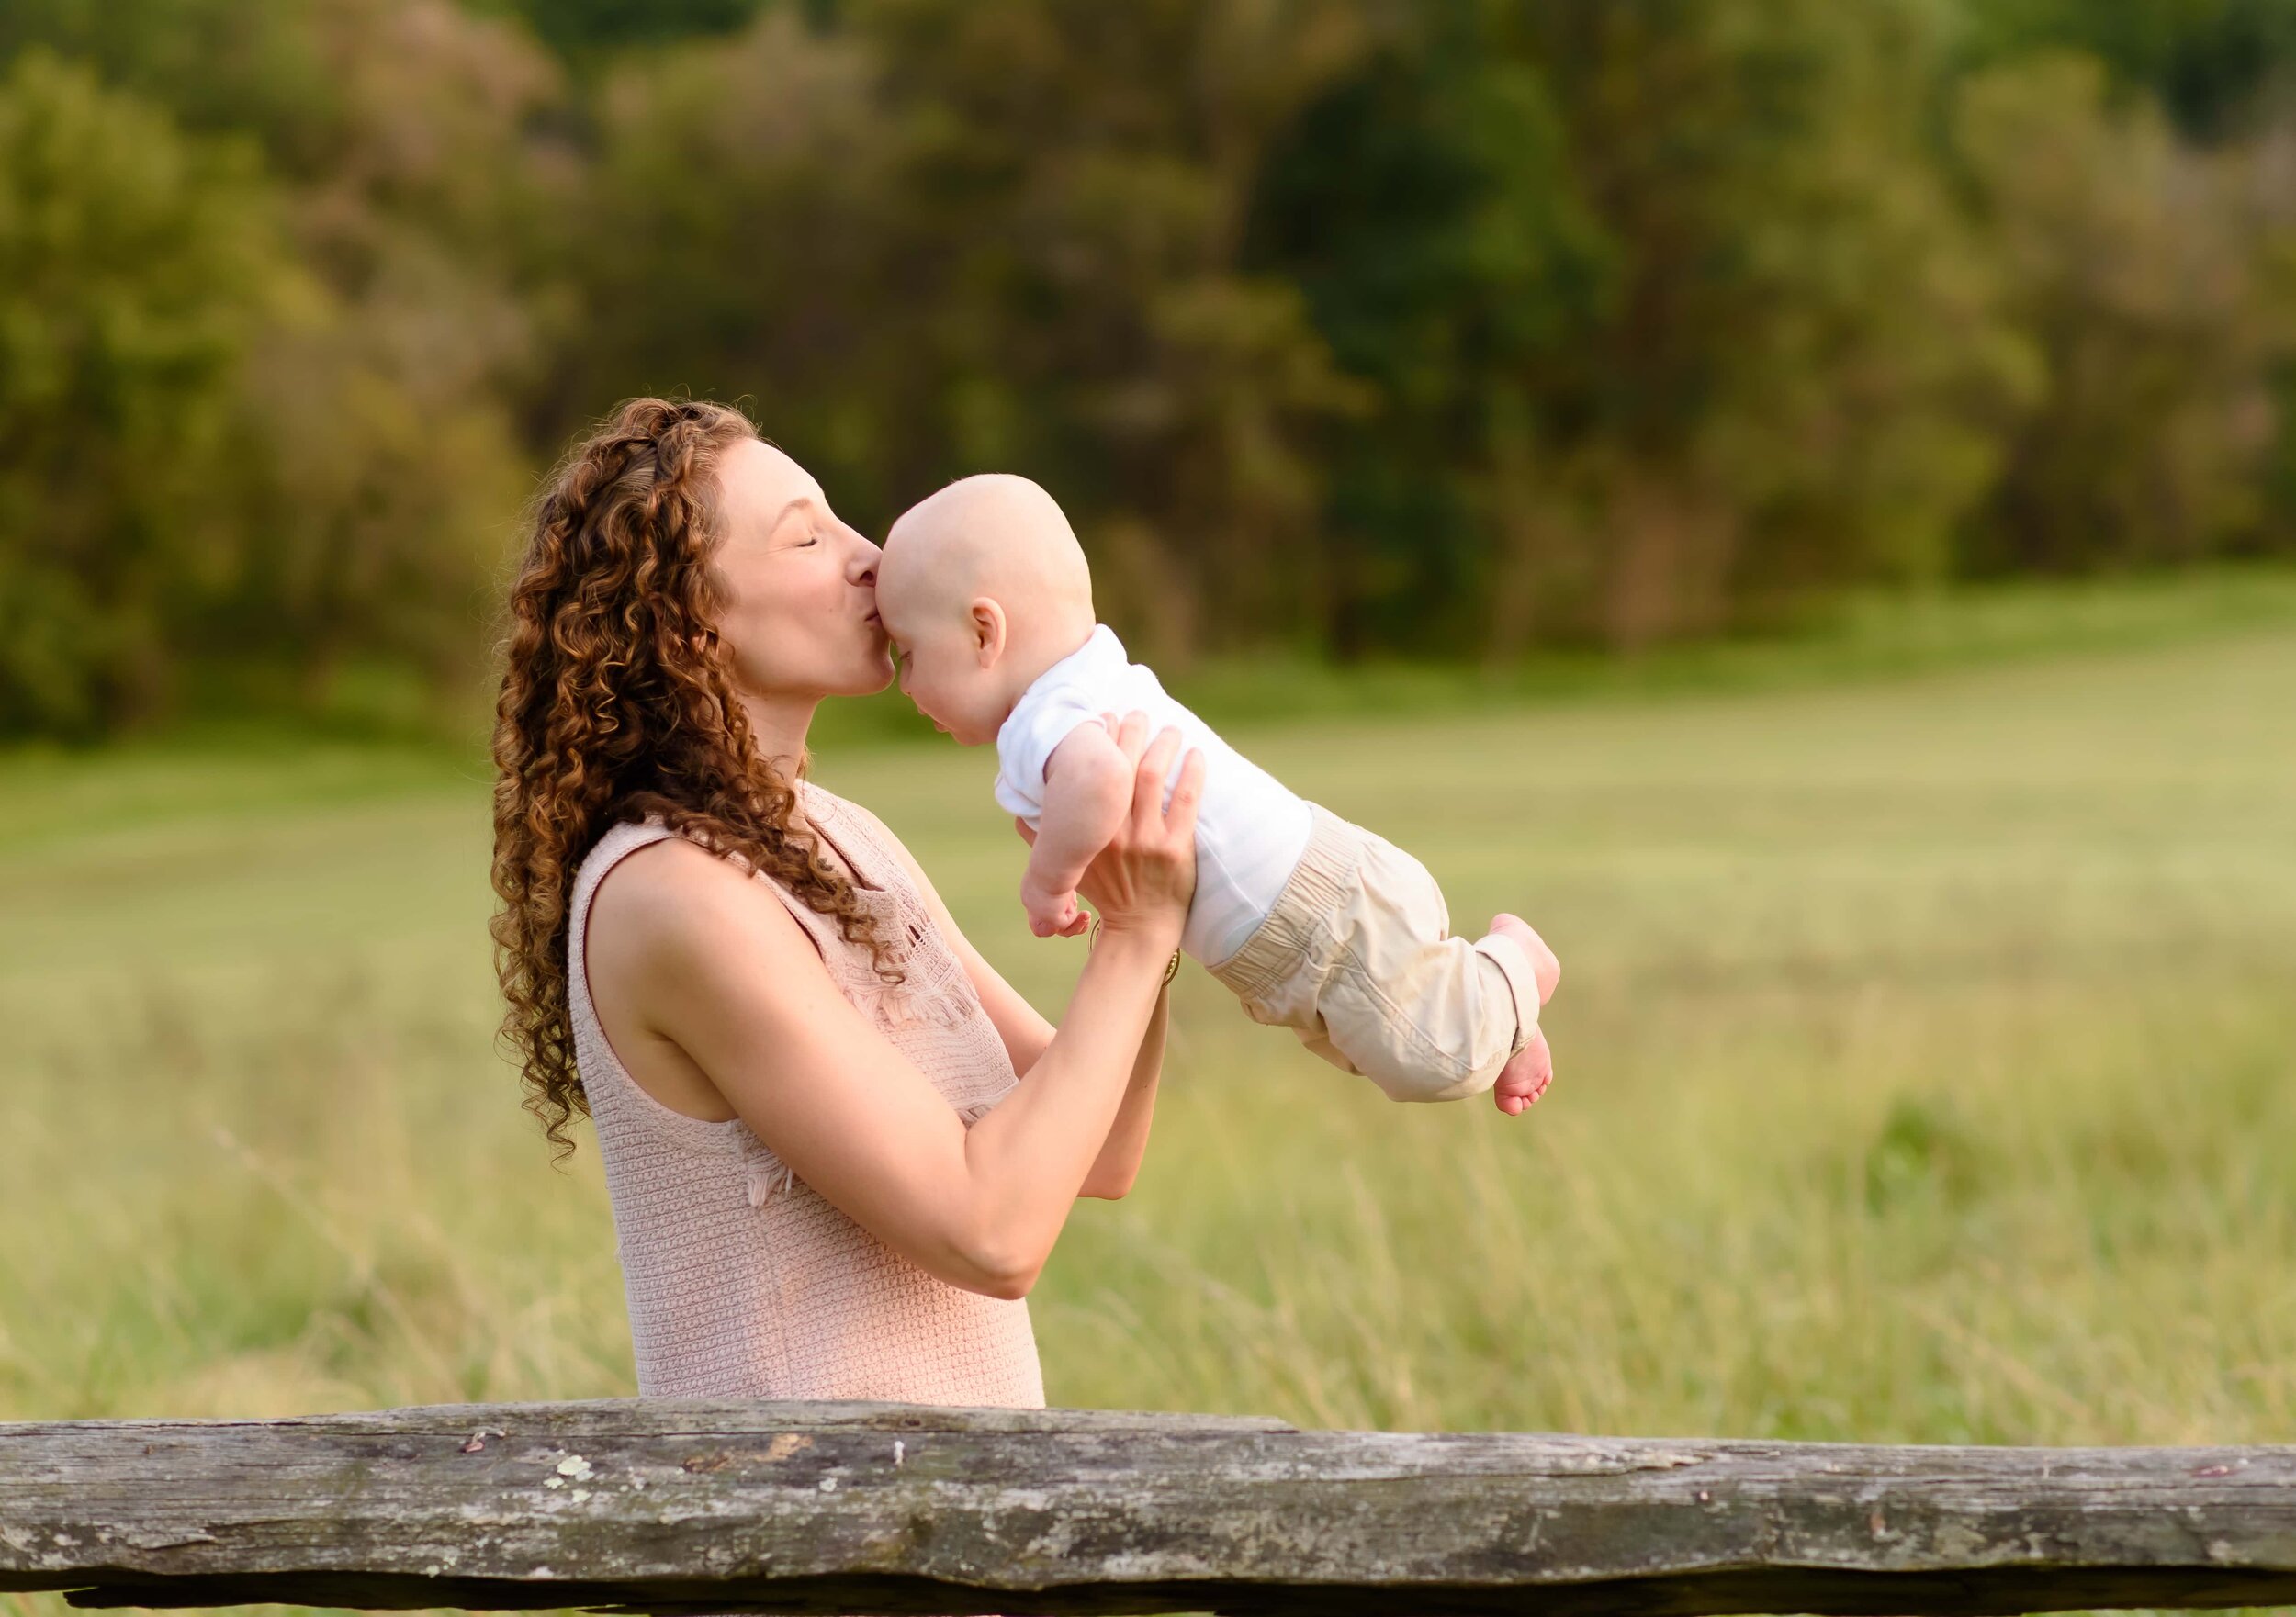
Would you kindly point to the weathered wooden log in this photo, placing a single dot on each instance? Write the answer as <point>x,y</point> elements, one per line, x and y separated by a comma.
<point>886,1507</point>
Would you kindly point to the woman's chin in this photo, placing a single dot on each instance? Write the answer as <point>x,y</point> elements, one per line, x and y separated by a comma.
<point>868,680</point>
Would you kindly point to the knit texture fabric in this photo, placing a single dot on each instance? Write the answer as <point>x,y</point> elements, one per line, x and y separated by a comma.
<point>742,1281</point>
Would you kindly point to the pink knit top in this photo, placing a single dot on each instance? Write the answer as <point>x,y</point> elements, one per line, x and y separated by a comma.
<point>741,1281</point>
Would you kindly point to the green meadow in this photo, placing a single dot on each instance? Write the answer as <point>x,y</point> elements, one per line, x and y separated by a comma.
<point>1925,1051</point>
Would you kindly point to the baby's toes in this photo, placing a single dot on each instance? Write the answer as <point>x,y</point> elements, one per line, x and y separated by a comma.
<point>1524,1077</point>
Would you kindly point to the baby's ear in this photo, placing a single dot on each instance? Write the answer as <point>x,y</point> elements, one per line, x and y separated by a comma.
<point>989,631</point>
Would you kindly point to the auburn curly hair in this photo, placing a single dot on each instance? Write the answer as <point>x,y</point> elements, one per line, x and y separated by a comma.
<point>617,704</point>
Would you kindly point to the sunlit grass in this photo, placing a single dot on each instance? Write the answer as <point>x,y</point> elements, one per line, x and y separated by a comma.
<point>1925,1056</point>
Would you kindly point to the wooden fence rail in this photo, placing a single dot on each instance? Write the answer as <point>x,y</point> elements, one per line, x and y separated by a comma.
<point>888,1508</point>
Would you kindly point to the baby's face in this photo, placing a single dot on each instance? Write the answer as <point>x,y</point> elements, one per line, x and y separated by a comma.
<point>938,650</point>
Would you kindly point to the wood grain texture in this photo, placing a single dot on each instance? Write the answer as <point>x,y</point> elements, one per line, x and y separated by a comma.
<point>676,1506</point>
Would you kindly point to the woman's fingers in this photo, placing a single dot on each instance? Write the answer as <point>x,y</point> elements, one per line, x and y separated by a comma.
<point>1148,867</point>
<point>1027,835</point>
<point>1187,795</point>
<point>1155,766</point>
<point>1132,736</point>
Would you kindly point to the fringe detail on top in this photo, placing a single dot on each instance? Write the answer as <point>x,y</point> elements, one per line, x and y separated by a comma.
<point>908,1002</point>
<point>764,1174</point>
<point>911,1002</point>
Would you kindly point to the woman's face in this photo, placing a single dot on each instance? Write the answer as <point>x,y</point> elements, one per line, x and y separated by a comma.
<point>801,587</point>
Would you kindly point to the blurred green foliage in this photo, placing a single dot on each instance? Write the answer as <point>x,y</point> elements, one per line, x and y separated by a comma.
<point>2214,64</point>
<point>578,26</point>
<point>136,267</point>
<point>1455,331</point>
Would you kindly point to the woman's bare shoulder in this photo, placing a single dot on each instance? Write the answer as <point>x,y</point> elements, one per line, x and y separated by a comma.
<point>674,905</point>
<point>714,997</point>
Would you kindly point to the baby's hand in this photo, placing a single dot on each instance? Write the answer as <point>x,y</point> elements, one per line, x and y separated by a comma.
<point>1052,914</point>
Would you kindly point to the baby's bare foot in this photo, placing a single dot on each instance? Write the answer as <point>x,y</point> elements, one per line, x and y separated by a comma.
<point>1528,1073</point>
<point>1524,1077</point>
<point>1545,967</point>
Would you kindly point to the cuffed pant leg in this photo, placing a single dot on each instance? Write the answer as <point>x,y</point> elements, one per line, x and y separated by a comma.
<point>1425,1015</point>
<point>1358,959</point>
<point>1521,999</point>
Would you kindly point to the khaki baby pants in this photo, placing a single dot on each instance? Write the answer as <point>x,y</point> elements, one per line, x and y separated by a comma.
<point>1357,959</point>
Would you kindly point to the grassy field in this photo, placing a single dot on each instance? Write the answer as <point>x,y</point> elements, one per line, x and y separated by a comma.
<point>1925,1054</point>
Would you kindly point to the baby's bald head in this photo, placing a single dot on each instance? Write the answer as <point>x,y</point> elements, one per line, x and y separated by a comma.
<point>997,539</point>
<point>995,534</point>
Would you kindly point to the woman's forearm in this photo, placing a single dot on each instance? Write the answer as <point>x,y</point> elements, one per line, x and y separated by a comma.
<point>1119,1162</point>
<point>1028,1158</point>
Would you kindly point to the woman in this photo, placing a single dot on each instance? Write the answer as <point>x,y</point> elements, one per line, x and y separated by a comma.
<point>828,1178</point>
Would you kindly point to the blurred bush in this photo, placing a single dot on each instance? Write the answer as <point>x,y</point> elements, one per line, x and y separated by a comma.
<point>1343,329</point>
<point>1670,312</point>
<point>263,341</point>
<point>2153,280</point>
<point>136,266</point>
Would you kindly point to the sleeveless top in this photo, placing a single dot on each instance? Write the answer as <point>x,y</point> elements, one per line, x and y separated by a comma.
<point>742,1281</point>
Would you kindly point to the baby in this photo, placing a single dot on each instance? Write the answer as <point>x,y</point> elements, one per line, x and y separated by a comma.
<point>1315,924</point>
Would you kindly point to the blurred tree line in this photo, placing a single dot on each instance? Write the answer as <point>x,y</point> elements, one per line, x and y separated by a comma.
<point>1437,327</point>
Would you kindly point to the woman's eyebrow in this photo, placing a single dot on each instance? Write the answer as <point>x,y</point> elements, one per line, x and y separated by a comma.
<point>781,515</point>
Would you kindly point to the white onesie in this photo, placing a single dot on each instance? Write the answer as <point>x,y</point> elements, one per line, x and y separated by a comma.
<point>1250,828</point>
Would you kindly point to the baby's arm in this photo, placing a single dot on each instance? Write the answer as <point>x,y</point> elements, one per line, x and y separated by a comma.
<point>1087,787</point>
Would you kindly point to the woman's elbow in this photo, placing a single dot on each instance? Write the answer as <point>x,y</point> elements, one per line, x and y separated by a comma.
<point>1007,1284</point>
<point>993,1269</point>
<point>1109,1188</point>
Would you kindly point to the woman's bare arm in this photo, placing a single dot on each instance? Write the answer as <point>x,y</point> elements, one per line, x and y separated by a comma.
<point>1026,1034</point>
<point>1118,1164</point>
<point>703,960</point>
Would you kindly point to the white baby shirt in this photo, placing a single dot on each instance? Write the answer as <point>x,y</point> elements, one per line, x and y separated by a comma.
<point>1250,828</point>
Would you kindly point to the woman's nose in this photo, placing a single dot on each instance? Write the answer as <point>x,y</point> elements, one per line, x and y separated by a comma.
<point>862,569</point>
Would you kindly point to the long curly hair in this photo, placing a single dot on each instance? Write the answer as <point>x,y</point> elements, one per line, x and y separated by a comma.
<point>617,704</point>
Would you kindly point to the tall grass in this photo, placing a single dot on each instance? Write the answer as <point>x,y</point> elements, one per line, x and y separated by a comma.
<point>1925,1047</point>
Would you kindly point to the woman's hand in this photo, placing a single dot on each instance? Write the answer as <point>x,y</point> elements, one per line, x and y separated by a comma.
<point>1142,879</point>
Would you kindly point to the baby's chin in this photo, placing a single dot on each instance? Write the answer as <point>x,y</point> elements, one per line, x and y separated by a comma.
<point>963,737</point>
